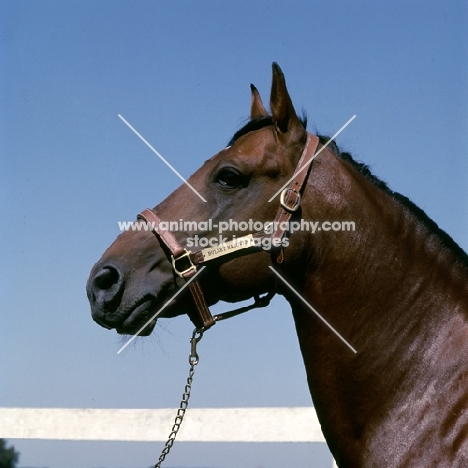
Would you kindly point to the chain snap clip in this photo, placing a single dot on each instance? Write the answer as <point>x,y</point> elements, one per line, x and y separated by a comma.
<point>197,335</point>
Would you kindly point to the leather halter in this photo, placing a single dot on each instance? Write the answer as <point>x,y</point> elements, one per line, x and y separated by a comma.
<point>185,262</point>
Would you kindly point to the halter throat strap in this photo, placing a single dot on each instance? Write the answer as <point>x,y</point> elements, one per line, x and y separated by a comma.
<point>185,262</point>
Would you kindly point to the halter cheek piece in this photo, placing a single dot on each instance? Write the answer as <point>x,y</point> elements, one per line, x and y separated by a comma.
<point>185,262</point>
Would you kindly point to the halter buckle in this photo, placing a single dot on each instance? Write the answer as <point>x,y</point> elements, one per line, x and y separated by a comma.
<point>296,203</point>
<point>192,267</point>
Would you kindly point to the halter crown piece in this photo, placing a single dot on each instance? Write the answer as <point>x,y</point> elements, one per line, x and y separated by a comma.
<point>186,262</point>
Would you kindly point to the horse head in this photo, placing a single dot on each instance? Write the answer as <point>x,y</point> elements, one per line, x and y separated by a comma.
<point>135,277</point>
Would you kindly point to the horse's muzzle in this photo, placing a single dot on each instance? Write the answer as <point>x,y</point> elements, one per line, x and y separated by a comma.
<point>105,288</point>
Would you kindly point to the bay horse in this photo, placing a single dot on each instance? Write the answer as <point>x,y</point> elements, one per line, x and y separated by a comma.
<point>395,287</point>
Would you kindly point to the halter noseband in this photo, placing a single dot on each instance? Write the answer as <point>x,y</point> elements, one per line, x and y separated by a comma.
<point>186,262</point>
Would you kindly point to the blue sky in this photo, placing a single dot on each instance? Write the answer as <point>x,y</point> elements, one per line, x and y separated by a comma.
<point>179,72</point>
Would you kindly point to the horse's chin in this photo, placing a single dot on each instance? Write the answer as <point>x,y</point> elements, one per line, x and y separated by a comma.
<point>139,319</point>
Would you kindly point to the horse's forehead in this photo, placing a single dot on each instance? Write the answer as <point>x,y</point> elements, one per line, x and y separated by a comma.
<point>219,154</point>
<point>254,141</point>
<point>250,145</point>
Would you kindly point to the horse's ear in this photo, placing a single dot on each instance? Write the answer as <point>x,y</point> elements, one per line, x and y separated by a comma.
<point>257,109</point>
<point>284,116</point>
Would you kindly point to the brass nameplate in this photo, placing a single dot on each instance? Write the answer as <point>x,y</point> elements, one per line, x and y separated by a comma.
<point>226,248</point>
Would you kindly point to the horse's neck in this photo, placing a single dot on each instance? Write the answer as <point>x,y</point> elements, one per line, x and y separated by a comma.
<point>394,293</point>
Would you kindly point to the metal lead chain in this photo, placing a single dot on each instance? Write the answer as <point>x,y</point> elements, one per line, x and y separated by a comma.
<point>193,361</point>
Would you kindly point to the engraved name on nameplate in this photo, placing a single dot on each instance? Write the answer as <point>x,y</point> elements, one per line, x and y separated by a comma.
<point>228,247</point>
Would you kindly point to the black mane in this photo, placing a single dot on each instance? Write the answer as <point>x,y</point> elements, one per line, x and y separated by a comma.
<point>251,126</point>
<point>363,169</point>
<point>257,124</point>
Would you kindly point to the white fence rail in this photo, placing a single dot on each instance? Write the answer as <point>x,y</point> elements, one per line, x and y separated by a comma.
<point>200,425</point>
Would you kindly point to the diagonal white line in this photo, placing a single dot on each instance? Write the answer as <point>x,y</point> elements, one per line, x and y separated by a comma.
<point>315,155</point>
<point>313,310</point>
<point>161,157</point>
<point>161,309</point>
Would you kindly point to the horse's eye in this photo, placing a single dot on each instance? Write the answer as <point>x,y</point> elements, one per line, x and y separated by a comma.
<point>229,178</point>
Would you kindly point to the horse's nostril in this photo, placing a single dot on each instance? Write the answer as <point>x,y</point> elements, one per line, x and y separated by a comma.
<point>106,278</point>
<point>105,288</point>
